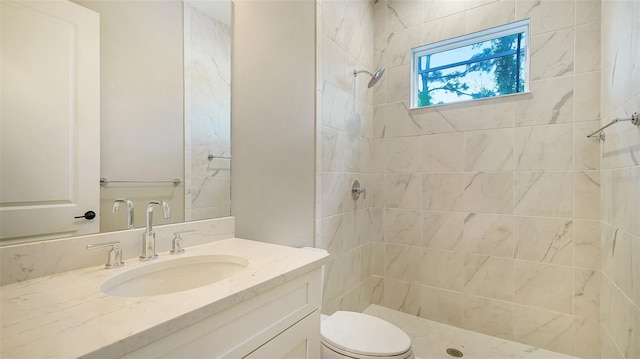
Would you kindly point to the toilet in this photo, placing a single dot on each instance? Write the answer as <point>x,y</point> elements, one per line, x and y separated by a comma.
<point>361,336</point>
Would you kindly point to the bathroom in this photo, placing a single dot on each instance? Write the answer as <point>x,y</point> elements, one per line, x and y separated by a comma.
<point>498,216</point>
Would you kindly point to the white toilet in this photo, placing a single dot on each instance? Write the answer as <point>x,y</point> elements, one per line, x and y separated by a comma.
<point>362,336</point>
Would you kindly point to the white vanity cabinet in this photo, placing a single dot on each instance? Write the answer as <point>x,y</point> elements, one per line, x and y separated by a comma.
<point>283,322</point>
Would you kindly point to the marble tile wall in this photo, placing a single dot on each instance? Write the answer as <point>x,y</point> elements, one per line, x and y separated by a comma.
<point>620,180</point>
<point>346,148</point>
<point>492,208</point>
<point>207,115</point>
<point>349,147</point>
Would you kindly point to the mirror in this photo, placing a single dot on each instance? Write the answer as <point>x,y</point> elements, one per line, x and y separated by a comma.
<point>164,109</point>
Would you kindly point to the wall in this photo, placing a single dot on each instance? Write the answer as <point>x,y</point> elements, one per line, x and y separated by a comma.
<point>349,148</point>
<point>492,208</point>
<point>273,128</point>
<point>207,58</point>
<point>141,111</point>
<point>620,299</point>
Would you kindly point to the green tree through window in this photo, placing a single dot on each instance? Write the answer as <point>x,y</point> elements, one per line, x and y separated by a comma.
<point>487,68</point>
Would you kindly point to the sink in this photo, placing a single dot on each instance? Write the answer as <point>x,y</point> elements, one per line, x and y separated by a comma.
<point>174,275</point>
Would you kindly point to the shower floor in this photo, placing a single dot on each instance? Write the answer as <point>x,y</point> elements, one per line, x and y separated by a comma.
<point>430,339</point>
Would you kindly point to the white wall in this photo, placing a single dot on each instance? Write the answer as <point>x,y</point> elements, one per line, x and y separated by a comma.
<point>141,104</point>
<point>273,127</point>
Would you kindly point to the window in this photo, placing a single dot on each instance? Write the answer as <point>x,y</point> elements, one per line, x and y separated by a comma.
<point>488,63</point>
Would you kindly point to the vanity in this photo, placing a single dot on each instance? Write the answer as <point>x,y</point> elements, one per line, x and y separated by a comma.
<point>267,306</point>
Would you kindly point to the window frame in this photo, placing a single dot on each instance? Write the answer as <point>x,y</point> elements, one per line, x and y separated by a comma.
<point>466,40</point>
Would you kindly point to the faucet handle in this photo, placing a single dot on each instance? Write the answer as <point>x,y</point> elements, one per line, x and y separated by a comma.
<point>177,242</point>
<point>114,260</point>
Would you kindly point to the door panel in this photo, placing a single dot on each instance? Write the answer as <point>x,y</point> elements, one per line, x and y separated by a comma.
<point>49,119</point>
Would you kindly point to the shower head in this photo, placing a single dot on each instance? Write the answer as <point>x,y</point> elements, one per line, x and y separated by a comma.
<point>374,77</point>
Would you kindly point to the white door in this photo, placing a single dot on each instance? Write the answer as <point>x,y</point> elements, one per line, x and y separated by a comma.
<point>49,119</point>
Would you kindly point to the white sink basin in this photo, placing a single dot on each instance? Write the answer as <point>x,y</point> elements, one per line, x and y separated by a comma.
<point>173,275</point>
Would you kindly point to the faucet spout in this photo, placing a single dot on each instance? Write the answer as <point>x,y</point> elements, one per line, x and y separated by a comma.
<point>129,204</point>
<point>149,237</point>
<point>166,211</point>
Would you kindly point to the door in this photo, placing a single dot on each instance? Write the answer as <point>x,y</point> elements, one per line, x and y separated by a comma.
<point>49,119</point>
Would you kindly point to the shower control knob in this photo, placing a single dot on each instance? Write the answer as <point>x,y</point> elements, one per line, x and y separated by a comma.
<point>87,215</point>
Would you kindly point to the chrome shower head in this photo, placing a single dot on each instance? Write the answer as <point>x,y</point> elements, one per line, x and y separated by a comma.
<point>374,77</point>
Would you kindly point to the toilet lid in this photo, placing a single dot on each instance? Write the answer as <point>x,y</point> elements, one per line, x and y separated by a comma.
<point>364,334</point>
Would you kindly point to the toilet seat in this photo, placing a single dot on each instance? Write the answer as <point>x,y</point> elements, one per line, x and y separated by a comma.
<point>363,336</point>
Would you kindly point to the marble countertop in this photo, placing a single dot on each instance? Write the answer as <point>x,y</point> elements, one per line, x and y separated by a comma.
<point>67,316</point>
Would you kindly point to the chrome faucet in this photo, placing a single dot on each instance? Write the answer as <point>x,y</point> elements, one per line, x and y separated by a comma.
<point>149,236</point>
<point>129,204</point>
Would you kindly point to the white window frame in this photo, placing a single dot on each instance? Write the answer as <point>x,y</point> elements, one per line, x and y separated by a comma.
<point>469,39</point>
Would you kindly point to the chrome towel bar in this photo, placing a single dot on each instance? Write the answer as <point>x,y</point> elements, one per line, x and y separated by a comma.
<point>635,120</point>
<point>105,181</point>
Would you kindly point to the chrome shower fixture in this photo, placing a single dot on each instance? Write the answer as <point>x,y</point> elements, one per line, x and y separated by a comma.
<point>374,77</point>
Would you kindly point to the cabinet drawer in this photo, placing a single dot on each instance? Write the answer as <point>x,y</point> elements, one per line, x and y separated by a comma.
<point>237,331</point>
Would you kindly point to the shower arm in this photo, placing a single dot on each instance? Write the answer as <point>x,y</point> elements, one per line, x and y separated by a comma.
<point>355,73</point>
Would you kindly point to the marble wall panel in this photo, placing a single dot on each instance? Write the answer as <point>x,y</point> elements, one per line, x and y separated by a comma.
<point>442,230</point>
<point>551,104</point>
<point>442,305</point>
<point>488,316</point>
<point>490,15</point>
<point>403,227</point>
<point>544,286</point>
<point>587,11</point>
<point>490,114</point>
<point>587,97</point>
<point>404,155</point>
<point>435,120</point>
<point>547,147</point>
<point>544,240</point>
<point>397,44</point>
<point>586,338</point>
<point>489,234</point>
<point>443,28</point>
<point>402,263</point>
<point>587,57</point>
<point>544,329</point>
<point>443,153</point>
<point>547,15</point>
<point>586,244</point>
<point>401,296</point>
<point>403,14</point>
<point>403,191</point>
<point>442,269</point>
<point>586,294</point>
<point>400,122</point>
<point>488,192</point>
<point>552,54</point>
<point>442,191</point>
<point>489,277</point>
<point>397,83</point>
<point>543,193</point>
<point>489,150</point>
<point>587,192</point>
<point>438,9</point>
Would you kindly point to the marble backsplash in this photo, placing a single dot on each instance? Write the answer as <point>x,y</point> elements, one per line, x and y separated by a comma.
<point>22,262</point>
